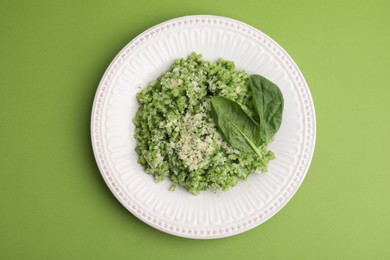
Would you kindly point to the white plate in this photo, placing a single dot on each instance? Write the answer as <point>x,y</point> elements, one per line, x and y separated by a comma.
<point>208,215</point>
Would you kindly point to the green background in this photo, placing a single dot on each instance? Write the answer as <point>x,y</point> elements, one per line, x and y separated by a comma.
<point>53,201</point>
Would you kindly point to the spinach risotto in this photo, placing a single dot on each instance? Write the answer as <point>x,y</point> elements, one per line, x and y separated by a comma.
<point>206,125</point>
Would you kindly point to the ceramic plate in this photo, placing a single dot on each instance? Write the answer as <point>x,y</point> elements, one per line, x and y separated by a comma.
<point>209,215</point>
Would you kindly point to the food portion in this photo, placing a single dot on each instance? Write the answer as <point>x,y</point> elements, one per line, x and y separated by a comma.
<point>206,125</point>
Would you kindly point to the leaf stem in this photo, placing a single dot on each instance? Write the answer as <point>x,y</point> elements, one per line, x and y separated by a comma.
<point>252,145</point>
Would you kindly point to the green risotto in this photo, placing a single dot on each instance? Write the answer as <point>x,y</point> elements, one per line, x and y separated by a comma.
<point>177,136</point>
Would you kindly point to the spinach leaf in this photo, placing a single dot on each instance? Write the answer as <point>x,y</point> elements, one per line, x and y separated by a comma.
<point>240,130</point>
<point>268,102</point>
<point>235,125</point>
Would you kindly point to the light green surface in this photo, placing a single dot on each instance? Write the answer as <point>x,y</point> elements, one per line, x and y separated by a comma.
<point>55,205</point>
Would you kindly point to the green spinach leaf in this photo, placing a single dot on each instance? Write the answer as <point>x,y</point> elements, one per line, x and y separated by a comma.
<point>235,125</point>
<point>268,102</point>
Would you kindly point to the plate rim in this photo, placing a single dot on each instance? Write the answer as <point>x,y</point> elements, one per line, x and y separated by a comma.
<point>96,143</point>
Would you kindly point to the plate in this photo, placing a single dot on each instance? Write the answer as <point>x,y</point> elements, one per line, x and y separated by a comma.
<point>209,215</point>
